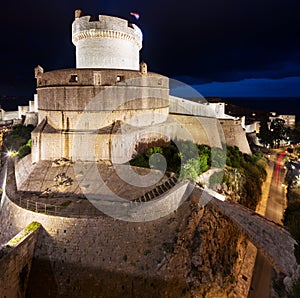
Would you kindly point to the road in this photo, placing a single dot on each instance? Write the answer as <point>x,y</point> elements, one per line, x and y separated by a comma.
<point>275,205</point>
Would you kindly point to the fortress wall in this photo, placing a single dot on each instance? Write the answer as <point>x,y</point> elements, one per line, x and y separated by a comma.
<point>235,135</point>
<point>78,255</point>
<point>89,54</point>
<point>52,146</point>
<point>84,256</point>
<point>15,267</point>
<point>23,169</point>
<point>102,99</point>
<point>83,120</point>
<point>201,130</point>
<point>119,143</point>
<point>97,77</point>
<point>253,127</point>
<point>10,115</point>
<point>49,146</point>
<point>231,128</point>
<point>187,107</point>
<point>214,132</point>
<point>22,110</point>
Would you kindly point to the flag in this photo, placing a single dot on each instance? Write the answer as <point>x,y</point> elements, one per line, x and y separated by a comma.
<point>135,14</point>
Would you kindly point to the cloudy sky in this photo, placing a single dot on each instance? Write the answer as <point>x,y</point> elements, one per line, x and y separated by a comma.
<point>223,48</point>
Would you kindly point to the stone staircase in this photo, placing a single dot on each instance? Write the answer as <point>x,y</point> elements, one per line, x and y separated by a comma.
<point>157,191</point>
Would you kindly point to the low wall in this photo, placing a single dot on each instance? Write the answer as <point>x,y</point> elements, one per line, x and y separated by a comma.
<point>15,265</point>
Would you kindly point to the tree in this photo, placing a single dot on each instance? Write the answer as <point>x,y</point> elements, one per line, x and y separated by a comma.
<point>265,135</point>
<point>278,130</point>
<point>17,137</point>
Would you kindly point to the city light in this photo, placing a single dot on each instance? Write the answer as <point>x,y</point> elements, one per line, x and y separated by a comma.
<point>10,153</point>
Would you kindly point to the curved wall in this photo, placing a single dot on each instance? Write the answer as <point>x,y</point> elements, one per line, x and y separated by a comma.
<point>105,96</point>
<point>109,42</point>
<point>78,255</point>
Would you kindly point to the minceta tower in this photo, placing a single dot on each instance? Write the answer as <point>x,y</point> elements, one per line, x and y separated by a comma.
<point>92,112</point>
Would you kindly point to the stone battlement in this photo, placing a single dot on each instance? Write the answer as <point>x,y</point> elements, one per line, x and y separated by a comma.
<point>103,35</point>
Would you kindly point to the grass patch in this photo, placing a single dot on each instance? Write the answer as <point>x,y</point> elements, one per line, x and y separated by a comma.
<point>18,238</point>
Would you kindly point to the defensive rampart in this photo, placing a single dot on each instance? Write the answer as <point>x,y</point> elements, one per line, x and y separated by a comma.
<point>15,263</point>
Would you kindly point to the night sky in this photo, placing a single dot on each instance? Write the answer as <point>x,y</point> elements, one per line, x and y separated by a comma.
<point>223,48</point>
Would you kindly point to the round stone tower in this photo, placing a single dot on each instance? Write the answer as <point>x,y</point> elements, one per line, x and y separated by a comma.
<point>105,102</point>
<point>110,42</point>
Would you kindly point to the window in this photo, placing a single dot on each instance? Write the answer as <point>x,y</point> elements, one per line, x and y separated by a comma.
<point>97,78</point>
<point>74,78</point>
<point>119,79</point>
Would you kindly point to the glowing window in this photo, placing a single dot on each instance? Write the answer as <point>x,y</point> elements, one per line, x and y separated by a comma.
<point>74,78</point>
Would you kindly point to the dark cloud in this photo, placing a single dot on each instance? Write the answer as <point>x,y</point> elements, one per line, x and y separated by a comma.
<point>202,41</point>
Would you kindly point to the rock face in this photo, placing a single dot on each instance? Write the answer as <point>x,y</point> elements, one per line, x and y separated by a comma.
<point>212,250</point>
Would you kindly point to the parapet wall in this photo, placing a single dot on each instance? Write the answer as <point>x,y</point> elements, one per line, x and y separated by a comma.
<point>15,266</point>
<point>187,107</point>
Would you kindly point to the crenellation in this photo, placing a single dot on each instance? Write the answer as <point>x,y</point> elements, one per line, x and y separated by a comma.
<point>109,42</point>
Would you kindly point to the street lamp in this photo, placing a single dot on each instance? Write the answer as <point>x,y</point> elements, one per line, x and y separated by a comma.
<point>10,153</point>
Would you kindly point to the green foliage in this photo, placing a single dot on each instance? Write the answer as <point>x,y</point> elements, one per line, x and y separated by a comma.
<point>154,150</point>
<point>30,228</point>
<point>23,151</point>
<point>156,156</point>
<point>234,157</point>
<point>265,135</point>
<point>140,160</point>
<point>292,218</point>
<point>217,157</point>
<point>252,167</point>
<point>33,226</point>
<point>278,130</point>
<point>189,161</point>
<point>29,143</point>
<point>18,139</point>
<point>216,178</point>
<point>190,169</point>
<point>184,158</point>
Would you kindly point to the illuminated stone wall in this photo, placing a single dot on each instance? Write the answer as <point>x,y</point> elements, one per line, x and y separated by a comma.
<point>109,42</point>
<point>15,265</point>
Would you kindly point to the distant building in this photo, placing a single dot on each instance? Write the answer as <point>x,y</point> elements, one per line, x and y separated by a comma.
<point>289,120</point>
<point>24,115</point>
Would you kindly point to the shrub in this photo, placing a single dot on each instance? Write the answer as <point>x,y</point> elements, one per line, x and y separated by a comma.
<point>24,150</point>
<point>216,178</point>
